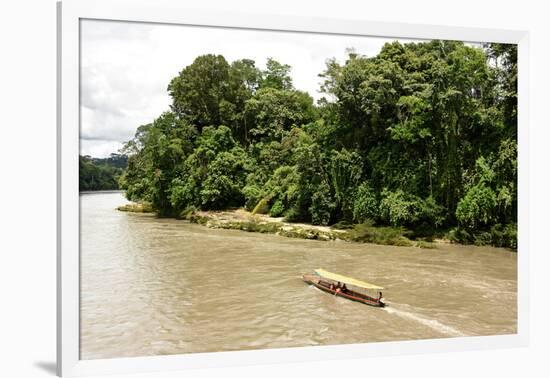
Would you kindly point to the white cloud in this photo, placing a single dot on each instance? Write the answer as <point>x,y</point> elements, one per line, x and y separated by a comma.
<point>126,68</point>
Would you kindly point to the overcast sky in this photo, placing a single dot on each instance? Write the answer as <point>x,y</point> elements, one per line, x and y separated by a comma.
<point>126,68</point>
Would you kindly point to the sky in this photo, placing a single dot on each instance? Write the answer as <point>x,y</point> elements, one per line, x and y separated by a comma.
<point>126,68</point>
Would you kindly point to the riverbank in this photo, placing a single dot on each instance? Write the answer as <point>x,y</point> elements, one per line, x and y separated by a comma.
<point>240,219</point>
<point>243,220</point>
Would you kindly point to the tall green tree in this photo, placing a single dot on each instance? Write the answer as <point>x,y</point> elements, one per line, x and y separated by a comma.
<point>421,135</point>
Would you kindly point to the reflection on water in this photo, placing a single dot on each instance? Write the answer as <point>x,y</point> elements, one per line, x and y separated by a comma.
<point>154,286</point>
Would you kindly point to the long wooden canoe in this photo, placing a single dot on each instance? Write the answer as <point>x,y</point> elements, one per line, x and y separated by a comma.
<point>336,284</point>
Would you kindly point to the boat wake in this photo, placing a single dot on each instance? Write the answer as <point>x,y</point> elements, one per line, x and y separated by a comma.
<point>431,323</point>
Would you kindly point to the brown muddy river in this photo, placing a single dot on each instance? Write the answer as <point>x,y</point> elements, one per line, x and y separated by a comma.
<point>154,286</point>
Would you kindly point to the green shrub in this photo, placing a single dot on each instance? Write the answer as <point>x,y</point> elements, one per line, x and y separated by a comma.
<point>366,204</point>
<point>477,207</point>
<point>185,213</point>
<point>482,238</point>
<point>403,209</point>
<point>429,213</point>
<point>322,205</point>
<point>293,215</point>
<point>397,208</point>
<point>277,209</point>
<point>459,235</point>
<point>511,235</point>
<point>262,207</point>
<point>379,235</point>
<point>252,195</point>
<point>225,177</point>
<point>282,186</point>
<point>499,236</point>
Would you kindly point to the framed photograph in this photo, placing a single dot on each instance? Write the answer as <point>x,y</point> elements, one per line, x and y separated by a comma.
<point>237,189</point>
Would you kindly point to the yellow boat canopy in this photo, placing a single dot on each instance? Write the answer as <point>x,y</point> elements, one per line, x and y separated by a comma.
<point>347,280</point>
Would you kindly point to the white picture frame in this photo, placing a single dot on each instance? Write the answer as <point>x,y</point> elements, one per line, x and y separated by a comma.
<point>70,12</point>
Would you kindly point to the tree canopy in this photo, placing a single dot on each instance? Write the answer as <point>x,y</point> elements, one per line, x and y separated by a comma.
<point>422,136</point>
<point>101,174</point>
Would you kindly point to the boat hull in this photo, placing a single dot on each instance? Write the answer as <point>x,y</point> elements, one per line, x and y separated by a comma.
<point>351,295</point>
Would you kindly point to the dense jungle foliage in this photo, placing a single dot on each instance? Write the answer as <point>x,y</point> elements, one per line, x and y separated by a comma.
<point>422,136</point>
<point>101,174</point>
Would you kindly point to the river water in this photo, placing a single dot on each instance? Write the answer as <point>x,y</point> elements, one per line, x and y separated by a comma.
<point>153,286</point>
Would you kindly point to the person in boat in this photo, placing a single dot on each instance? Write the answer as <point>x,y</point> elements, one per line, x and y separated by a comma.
<point>344,289</point>
<point>338,288</point>
<point>379,296</point>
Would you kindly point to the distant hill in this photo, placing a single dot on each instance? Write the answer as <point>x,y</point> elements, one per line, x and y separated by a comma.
<point>101,173</point>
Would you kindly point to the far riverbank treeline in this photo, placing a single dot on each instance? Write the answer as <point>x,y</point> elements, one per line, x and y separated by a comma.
<point>101,173</point>
<point>422,136</point>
